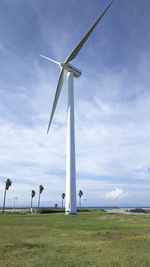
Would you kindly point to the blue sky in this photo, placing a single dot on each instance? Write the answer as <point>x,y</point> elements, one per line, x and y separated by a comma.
<point>112,100</point>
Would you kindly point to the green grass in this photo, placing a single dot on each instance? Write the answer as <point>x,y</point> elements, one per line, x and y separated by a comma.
<point>93,238</point>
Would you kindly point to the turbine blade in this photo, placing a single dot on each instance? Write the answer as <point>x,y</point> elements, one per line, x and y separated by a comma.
<point>58,63</point>
<point>76,50</point>
<point>58,90</point>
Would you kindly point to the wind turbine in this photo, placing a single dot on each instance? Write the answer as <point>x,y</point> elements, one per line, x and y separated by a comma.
<point>72,72</point>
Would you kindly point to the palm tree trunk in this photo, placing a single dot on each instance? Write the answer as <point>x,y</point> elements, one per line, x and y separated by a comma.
<point>79,202</point>
<point>4,199</point>
<point>39,200</point>
<point>31,204</point>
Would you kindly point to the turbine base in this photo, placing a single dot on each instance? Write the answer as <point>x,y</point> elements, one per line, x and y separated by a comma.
<point>68,213</point>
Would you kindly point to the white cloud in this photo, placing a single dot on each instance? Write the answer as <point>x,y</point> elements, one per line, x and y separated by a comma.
<point>118,193</point>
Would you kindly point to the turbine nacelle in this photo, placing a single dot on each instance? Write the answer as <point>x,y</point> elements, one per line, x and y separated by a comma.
<point>70,68</point>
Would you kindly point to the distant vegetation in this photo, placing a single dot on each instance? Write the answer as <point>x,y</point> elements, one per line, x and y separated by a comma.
<point>33,207</point>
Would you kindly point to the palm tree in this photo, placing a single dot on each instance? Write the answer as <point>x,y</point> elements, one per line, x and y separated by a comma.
<point>7,185</point>
<point>32,196</point>
<point>63,196</point>
<point>80,195</point>
<point>41,188</point>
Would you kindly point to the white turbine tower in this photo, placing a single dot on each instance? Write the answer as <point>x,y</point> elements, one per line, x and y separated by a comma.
<point>72,72</point>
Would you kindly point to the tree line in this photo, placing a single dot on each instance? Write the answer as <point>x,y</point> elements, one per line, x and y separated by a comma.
<point>8,184</point>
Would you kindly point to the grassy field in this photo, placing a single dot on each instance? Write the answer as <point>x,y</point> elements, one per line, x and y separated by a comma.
<point>91,238</point>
